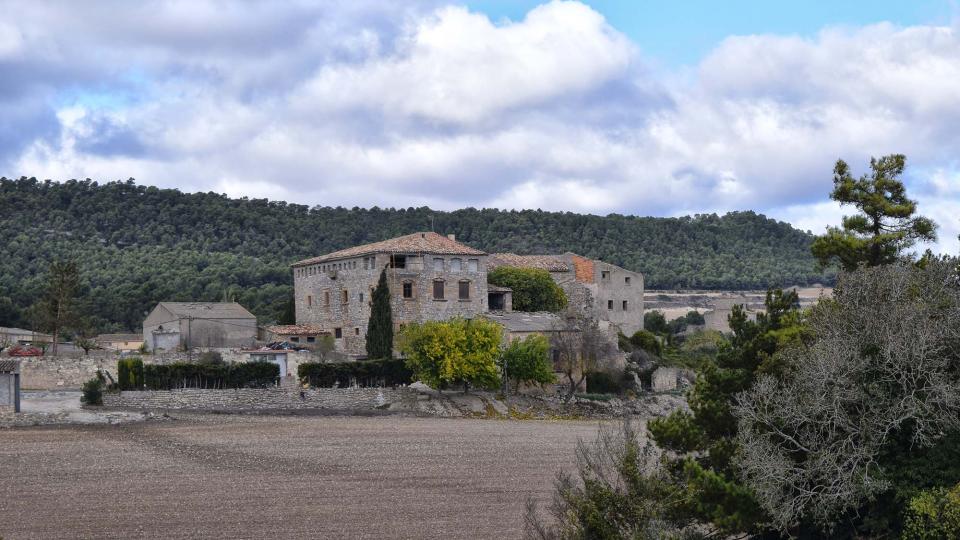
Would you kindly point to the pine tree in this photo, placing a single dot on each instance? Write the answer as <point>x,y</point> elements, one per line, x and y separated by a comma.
<point>380,326</point>
<point>886,224</point>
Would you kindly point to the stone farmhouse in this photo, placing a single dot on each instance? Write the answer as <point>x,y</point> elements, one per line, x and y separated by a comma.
<point>173,326</point>
<point>610,294</point>
<point>431,277</point>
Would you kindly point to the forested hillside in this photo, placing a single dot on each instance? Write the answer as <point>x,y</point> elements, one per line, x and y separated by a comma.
<point>138,245</point>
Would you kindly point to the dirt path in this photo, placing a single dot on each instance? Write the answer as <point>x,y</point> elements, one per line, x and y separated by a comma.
<point>280,477</point>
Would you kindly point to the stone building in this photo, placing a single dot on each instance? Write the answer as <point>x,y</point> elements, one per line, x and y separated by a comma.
<point>186,325</point>
<point>431,277</point>
<point>305,335</point>
<point>19,336</point>
<point>605,291</point>
<point>10,385</point>
<point>119,342</point>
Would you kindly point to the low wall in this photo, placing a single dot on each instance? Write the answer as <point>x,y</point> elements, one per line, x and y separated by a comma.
<point>70,372</point>
<point>351,399</point>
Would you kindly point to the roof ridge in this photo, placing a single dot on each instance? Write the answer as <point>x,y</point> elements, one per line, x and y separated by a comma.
<point>417,242</point>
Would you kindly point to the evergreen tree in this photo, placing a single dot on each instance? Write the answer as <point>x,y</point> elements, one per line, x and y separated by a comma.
<point>886,224</point>
<point>380,326</point>
<point>58,308</point>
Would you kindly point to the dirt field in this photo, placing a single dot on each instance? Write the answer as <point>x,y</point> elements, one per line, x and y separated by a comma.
<point>280,477</point>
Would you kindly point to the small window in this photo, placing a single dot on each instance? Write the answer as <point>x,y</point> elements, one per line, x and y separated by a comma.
<point>311,339</point>
<point>295,339</point>
<point>361,297</point>
<point>609,304</point>
<point>454,265</point>
<point>338,333</point>
<point>473,265</point>
<point>464,290</point>
<point>438,290</point>
<point>398,261</point>
<point>626,280</point>
<point>624,305</point>
<point>345,296</point>
<point>326,298</point>
<point>309,301</point>
<point>407,289</point>
<point>604,274</point>
<point>356,331</point>
<point>438,265</point>
<point>364,263</point>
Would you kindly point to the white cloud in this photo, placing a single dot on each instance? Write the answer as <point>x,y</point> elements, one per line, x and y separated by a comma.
<point>409,104</point>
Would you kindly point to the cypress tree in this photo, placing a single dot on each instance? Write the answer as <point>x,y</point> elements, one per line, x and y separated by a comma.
<point>380,326</point>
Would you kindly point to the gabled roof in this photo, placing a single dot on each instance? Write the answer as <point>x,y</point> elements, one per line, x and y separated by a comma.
<point>208,310</point>
<point>550,263</point>
<point>422,242</point>
<point>297,329</point>
<point>520,321</point>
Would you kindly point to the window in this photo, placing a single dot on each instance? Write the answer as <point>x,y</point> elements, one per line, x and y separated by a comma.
<point>309,301</point>
<point>338,333</point>
<point>311,339</point>
<point>326,298</point>
<point>626,280</point>
<point>464,290</point>
<point>438,265</point>
<point>473,265</point>
<point>398,261</point>
<point>438,290</point>
<point>624,305</point>
<point>604,274</point>
<point>295,339</point>
<point>407,289</point>
<point>361,297</point>
<point>365,263</point>
<point>609,304</point>
<point>345,296</point>
<point>454,265</point>
<point>356,331</point>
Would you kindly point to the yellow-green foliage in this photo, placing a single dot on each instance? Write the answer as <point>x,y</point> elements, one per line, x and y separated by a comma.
<point>453,352</point>
<point>933,514</point>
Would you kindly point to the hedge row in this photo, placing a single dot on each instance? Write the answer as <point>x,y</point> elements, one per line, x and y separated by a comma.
<point>134,375</point>
<point>365,373</point>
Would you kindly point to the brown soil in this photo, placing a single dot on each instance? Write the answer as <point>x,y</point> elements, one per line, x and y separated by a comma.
<point>208,476</point>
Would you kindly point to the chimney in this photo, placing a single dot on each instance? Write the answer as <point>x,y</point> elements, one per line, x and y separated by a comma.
<point>452,237</point>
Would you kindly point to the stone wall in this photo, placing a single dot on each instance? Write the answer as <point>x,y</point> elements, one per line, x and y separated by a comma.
<point>345,399</point>
<point>337,294</point>
<point>664,379</point>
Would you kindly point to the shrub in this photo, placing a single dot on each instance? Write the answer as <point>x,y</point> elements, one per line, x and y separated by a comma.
<point>210,358</point>
<point>533,289</point>
<point>92,391</point>
<point>454,352</point>
<point>525,361</point>
<point>365,373</point>
<point>130,374</point>
<point>187,375</point>
<point>646,341</point>
<point>933,514</point>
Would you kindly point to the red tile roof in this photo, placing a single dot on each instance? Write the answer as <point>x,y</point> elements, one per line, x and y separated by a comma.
<point>550,263</point>
<point>424,242</point>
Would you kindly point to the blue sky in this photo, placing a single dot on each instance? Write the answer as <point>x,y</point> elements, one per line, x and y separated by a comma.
<point>643,108</point>
<point>682,32</point>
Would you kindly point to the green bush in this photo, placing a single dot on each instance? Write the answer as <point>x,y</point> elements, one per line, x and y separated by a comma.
<point>130,373</point>
<point>365,373</point>
<point>92,391</point>
<point>533,289</point>
<point>646,341</point>
<point>933,514</point>
<point>187,375</point>
<point>210,357</point>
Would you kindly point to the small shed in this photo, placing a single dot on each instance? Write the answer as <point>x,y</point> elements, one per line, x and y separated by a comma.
<point>187,325</point>
<point>10,385</point>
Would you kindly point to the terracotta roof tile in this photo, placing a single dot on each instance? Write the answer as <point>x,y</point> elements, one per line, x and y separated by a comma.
<point>296,329</point>
<point>551,263</point>
<point>423,242</point>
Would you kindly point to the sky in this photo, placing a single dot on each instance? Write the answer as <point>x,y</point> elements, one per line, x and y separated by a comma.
<point>645,107</point>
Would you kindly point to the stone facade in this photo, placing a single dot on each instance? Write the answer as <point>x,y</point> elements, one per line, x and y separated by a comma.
<point>429,280</point>
<point>343,399</point>
<point>664,379</point>
<point>178,325</point>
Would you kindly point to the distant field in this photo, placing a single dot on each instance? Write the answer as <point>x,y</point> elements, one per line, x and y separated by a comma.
<point>281,477</point>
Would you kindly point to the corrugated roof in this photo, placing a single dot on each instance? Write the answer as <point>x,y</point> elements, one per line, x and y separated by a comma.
<point>550,263</point>
<point>519,321</point>
<point>9,366</point>
<point>208,310</point>
<point>296,329</point>
<point>423,242</point>
<point>120,337</point>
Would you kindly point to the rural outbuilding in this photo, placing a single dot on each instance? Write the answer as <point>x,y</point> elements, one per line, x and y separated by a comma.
<point>175,326</point>
<point>10,385</point>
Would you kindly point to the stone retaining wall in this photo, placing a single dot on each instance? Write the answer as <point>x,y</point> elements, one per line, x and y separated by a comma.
<point>347,399</point>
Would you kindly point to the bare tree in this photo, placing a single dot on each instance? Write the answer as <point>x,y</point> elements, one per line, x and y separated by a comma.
<point>581,346</point>
<point>882,366</point>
